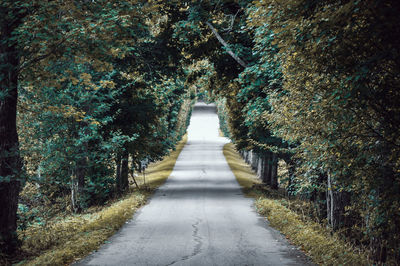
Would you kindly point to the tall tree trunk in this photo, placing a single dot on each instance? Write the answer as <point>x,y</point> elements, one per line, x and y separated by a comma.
<point>274,171</point>
<point>260,166</point>
<point>250,157</point>
<point>125,171</point>
<point>266,177</point>
<point>336,202</point>
<point>78,186</point>
<point>290,189</point>
<point>254,162</point>
<point>246,156</point>
<point>10,162</point>
<point>330,203</point>
<point>118,169</point>
<point>320,198</point>
<point>74,194</point>
<point>122,177</point>
<point>132,172</point>
<point>378,247</point>
<point>270,170</point>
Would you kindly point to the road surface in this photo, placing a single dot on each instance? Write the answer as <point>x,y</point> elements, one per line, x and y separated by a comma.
<point>199,216</point>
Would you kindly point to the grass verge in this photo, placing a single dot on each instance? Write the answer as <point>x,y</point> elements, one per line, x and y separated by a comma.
<point>67,240</point>
<point>158,172</point>
<point>314,239</point>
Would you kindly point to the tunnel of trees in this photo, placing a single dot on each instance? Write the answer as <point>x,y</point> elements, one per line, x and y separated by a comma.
<point>89,89</point>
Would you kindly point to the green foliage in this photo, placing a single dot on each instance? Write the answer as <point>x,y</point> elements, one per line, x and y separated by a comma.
<point>114,82</point>
<point>313,238</point>
<point>320,90</point>
<point>335,102</point>
<point>91,101</point>
<point>94,90</point>
<point>65,239</point>
<point>223,117</point>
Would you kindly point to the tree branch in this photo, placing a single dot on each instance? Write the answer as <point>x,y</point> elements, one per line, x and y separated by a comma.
<point>42,56</point>
<point>229,50</point>
<point>233,17</point>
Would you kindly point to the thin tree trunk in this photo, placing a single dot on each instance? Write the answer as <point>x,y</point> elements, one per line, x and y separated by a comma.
<point>336,203</point>
<point>124,171</point>
<point>292,181</point>
<point>118,171</point>
<point>329,202</point>
<point>378,250</point>
<point>133,173</point>
<point>321,198</point>
<point>74,195</point>
<point>78,186</point>
<point>250,157</point>
<point>122,178</point>
<point>118,167</point>
<point>10,162</point>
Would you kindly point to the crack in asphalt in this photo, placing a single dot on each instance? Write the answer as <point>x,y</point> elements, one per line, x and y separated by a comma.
<point>198,239</point>
<point>197,247</point>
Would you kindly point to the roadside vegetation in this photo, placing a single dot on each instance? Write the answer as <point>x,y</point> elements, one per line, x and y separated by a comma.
<point>62,241</point>
<point>288,216</point>
<point>93,90</point>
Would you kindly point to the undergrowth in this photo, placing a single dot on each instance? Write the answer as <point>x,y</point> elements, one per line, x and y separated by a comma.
<point>317,241</point>
<point>62,241</point>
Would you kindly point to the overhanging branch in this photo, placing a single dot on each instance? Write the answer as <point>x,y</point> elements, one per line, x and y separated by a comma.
<point>228,49</point>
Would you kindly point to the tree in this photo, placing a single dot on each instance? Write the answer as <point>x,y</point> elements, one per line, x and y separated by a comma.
<point>336,78</point>
<point>33,35</point>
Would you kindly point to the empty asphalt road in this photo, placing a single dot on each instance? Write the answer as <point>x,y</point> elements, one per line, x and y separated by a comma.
<point>199,216</point>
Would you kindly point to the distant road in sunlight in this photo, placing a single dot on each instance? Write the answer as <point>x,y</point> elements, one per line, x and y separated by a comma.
<point>199,216</point>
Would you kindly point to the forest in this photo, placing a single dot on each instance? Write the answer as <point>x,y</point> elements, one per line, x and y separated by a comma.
<point>308,91</point>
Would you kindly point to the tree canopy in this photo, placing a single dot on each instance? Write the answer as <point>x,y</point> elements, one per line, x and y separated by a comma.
<point>94,88</point>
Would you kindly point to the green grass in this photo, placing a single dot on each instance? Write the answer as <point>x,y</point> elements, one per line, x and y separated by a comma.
<point>314,239</point>
<point>67,240</point>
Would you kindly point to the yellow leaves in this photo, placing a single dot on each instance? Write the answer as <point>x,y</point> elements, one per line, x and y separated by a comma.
<point>86,79</point>
<point>107,84</point>
<point>67,111</point>
<point>118,53</point>
<point>101,66</point>
<point>74,80</point>
<point>127,76</point>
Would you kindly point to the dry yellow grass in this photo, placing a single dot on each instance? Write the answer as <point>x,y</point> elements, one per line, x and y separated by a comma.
<point>243,172</point>
<point>314,239</point>
<point>62,242</point>
<point>158,172</point>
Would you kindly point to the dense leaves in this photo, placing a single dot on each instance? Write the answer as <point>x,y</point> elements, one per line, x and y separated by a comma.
<point>322,92</point>
<point>105,86</point>
<point>95,103</point>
